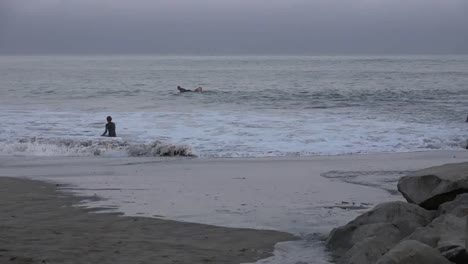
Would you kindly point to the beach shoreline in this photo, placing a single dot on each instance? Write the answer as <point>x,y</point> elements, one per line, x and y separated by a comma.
<point>303,196</point>
<point>41,224</point>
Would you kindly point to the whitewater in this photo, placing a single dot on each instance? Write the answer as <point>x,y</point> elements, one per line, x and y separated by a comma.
<point>253,106</point>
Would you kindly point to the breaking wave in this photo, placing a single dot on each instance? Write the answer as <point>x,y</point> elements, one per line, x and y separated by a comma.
<point>92,147</point>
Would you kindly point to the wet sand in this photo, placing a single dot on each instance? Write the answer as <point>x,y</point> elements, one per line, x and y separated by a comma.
<point>305,196</point>
<point>40,224</point>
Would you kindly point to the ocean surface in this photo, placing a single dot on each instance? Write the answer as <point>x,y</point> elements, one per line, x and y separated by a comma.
<point>252,106</point>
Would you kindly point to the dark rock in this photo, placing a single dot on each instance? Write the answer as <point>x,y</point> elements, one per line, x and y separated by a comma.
<point>413,252</point>
<point>369,236</point>
<point>455,253</point>
<point>458,207</point>
<point>434,186</point>
<point>445,230</point>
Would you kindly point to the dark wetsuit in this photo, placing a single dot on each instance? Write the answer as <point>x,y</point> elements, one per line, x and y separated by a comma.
<point>110,127</point>
<point>183,90</point>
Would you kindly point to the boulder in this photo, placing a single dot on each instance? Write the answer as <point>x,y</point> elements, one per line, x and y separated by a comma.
<point>373,233</point>
<point>444,231</point>
<point>434,186</point>
<point>372,248</point>
<point>413,252</point>
<point>458,207</point>
<point>455,253</point>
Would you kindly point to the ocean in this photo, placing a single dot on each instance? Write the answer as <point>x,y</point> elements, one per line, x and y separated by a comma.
<point>252,106</point>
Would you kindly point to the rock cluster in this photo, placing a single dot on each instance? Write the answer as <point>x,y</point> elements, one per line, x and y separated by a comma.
<point>431,227</point>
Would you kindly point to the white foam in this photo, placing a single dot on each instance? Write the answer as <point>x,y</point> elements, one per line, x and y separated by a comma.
<point>158,148</point>
<point>82,147</point>
<point>225,133</point>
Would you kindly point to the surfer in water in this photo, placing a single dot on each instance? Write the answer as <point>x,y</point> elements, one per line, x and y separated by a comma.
<point>110,128</point>
<point>183,90</point>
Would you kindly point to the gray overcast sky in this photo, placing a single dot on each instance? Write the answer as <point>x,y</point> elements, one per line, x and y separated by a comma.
<point>233,26</point>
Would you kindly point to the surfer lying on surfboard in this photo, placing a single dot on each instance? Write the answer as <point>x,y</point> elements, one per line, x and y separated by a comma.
<point>183,90</point>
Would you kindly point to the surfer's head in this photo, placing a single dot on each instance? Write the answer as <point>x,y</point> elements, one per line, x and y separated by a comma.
<point>109,119</point>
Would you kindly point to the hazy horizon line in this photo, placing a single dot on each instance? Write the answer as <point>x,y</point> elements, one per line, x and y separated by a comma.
<point>188,54</point>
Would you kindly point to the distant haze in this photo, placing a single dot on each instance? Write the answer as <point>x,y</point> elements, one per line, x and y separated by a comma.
<point>233,26</point>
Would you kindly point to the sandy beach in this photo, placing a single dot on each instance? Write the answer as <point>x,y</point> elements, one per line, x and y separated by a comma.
<point>302,196</point>
<point>40,225</point>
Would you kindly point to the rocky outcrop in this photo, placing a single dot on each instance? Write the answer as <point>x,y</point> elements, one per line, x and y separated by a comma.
<point>413,252</point>
<point>445,234</point>
<point>431,228</point>
<point>372,234</point>
<point>458,207</point>
<point>445,230</point>
<point>455,254</point>
<point>434,186</point>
